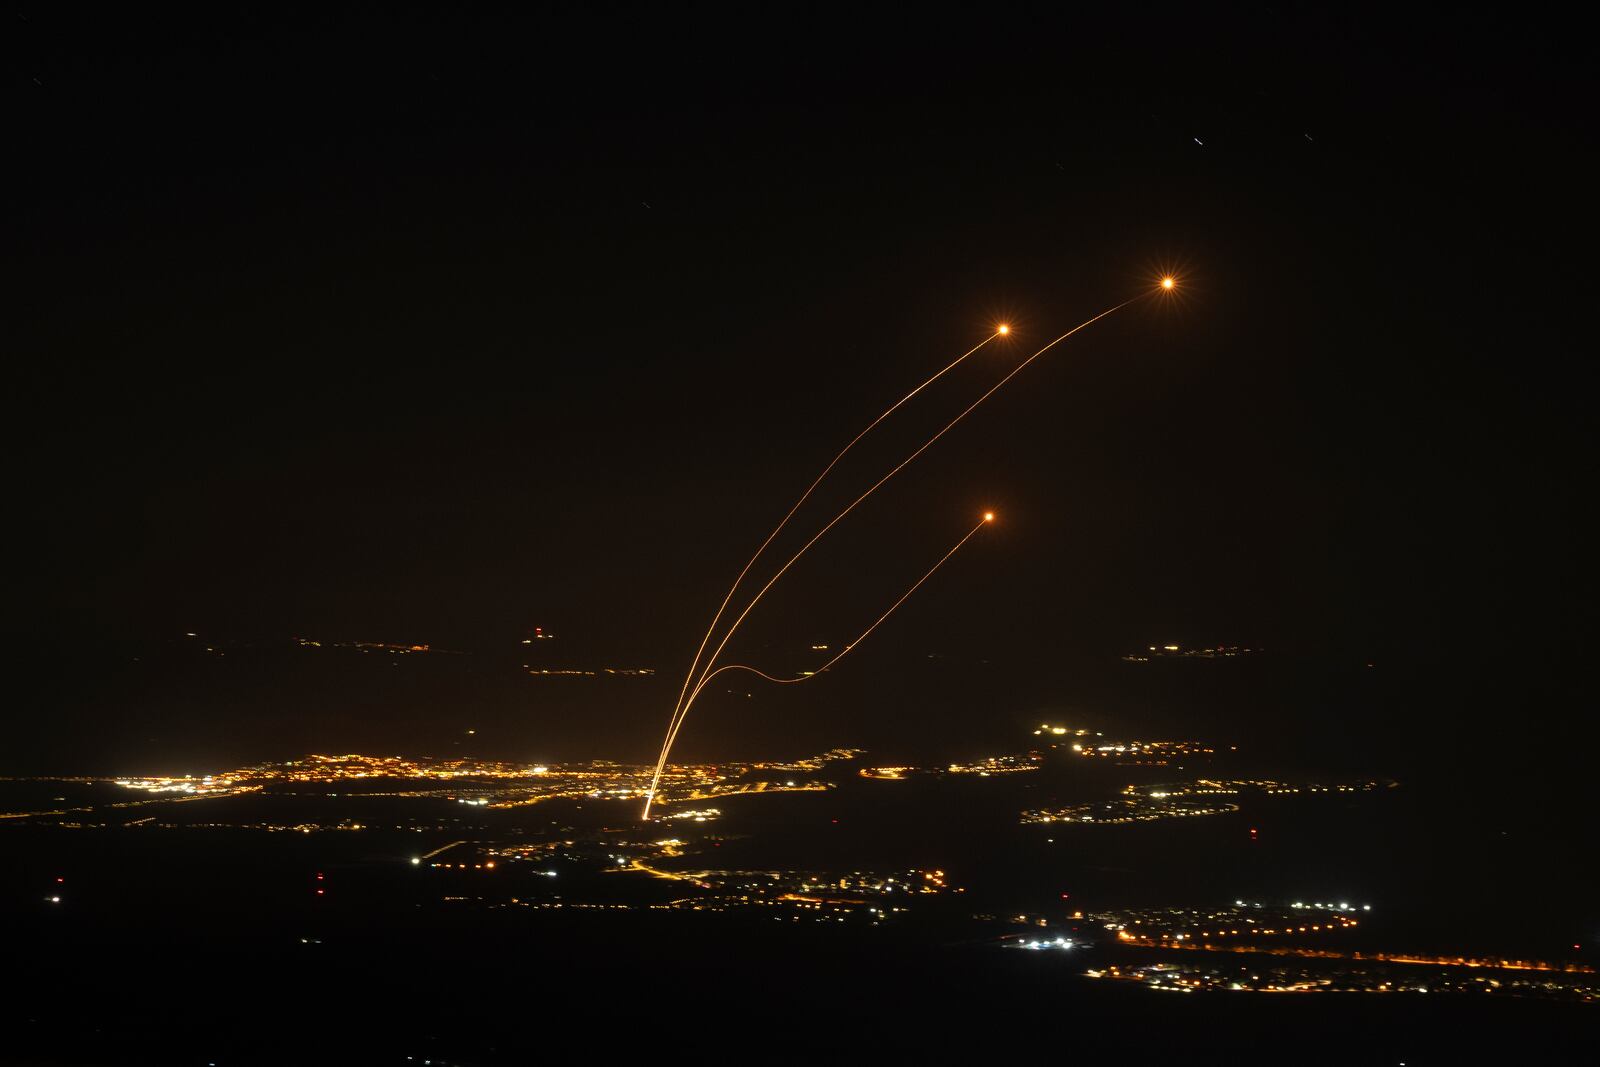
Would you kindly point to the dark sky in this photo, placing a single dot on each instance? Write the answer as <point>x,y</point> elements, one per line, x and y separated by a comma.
<point>435,328</point>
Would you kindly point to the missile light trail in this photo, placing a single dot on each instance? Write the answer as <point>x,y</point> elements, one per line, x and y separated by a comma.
<point>680,713</point>
<point>896,470</point>
<point>1000,331</point>
<point>988,517</point>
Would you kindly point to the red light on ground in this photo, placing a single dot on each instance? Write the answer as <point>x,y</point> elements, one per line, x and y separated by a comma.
<point>321,891</point>
<point>319,877</point>
<point>1252,833</point>
<point>60,880</point>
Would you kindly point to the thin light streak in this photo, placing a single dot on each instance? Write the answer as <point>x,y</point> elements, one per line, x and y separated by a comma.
<point>694,664</point>
<point>845,651</point>
<point>682,713</point>
<point>897,469</point>
<point>847,648</point>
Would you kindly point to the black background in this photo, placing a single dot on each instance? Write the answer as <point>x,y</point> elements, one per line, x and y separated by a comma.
<point>437,327</point>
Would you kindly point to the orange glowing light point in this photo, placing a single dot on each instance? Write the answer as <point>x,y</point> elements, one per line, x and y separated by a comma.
<point>1002,329</point>
<point>1168,282</point>
<point>988,516</point>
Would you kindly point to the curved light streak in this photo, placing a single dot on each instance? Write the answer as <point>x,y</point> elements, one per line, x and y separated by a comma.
<point>694,664</point>
<point>845,651</point>
<point>679,715</point>
<point>847,648</point>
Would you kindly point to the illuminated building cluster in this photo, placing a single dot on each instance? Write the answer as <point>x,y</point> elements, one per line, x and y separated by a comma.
<point>1129,810</point>
<point>997,765</point>
<point>1143,753</point>
<point>1492,963</point>
<point>1170,927</point>
<point>813,763</point>
<point>594,778</point>
<point>364,646</point>
<point>322,769</point>
<point>1087,744</point>
<point>267,827</point>
<point>1047,731</point>
<point>983,768</point>
<point>1147,803</point>
<point>1041,943</point>
<point>1304,937</point>
<point>1179,652</point>
<point>1189,977</point>
<point>473,783</point>
<point>870,896</point>
<point>729,788</point>
<point>796,896</point>
<point>692,814</point>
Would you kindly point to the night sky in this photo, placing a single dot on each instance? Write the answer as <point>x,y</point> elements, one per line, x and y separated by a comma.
<point>433,329</point>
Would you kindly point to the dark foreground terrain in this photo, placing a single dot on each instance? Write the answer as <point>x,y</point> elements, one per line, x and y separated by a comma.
<point>471,991</point>
<point>182,947</point>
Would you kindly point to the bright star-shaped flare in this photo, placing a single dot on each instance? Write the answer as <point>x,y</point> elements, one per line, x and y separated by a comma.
<point>1002,329</point>
<point>1168,282</point>
<point>988,516</point>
